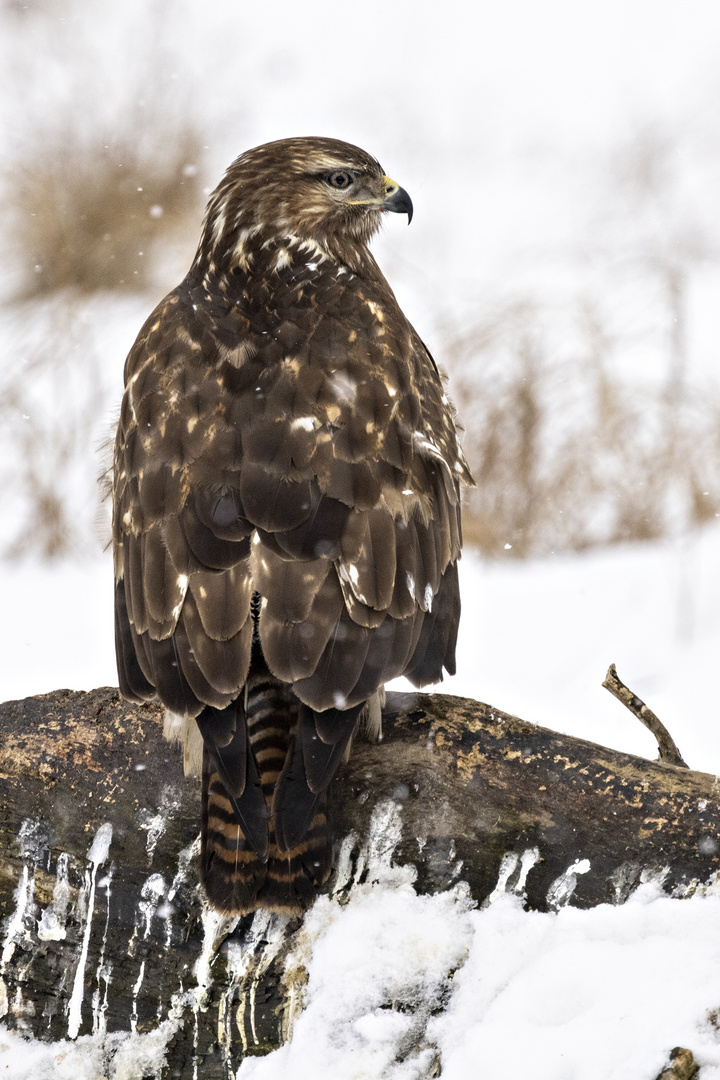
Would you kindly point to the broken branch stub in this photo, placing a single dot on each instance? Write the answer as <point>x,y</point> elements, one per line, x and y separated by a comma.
<point>668,751</point>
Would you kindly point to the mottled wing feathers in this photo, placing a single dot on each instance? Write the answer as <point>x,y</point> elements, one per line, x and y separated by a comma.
<point>317,437</point>
<point>181,545</point>
<point>284,434</point>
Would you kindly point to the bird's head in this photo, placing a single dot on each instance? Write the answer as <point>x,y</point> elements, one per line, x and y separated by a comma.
<point>322,190</point>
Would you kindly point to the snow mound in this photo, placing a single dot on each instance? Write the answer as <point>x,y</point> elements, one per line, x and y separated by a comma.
<point>399,984</point>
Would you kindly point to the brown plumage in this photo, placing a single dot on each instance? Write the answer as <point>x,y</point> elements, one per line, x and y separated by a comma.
<point>286,508</point>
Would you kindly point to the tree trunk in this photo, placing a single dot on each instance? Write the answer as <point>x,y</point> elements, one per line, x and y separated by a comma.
<point>105,930</point>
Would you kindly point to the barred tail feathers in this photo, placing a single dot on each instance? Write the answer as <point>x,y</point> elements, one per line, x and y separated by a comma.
<point>236,878</point>
<point>231,870</point>
<point>234,811</point>
<point>295,871</point>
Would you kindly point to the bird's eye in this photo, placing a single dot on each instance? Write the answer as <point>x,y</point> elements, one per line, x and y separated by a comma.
<point>340,179</point>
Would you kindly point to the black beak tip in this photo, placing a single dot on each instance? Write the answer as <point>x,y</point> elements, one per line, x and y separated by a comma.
<point>399,203</point>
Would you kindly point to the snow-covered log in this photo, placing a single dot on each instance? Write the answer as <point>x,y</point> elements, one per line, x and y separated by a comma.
<point>104,929</point>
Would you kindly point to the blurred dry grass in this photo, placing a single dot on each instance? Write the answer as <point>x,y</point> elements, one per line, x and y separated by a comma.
<point>104,147</point>
<point>87,218</point>
<point>567,453</point>
<point>53,414</point>
<point>570,447</point>
<point>89,214</point>
<point>102,195</point>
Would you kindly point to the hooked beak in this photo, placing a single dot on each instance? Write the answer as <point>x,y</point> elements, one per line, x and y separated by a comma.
<point>397,200</point>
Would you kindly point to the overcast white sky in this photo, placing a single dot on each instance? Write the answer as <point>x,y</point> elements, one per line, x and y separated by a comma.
<point>565,70</point>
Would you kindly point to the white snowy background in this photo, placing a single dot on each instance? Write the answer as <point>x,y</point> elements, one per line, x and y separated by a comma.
<point>508,123</point>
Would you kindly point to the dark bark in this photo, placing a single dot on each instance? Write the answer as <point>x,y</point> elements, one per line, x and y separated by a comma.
<point>471,784</point>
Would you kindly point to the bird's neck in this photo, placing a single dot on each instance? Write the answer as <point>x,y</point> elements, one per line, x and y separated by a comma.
<point>251,253</point>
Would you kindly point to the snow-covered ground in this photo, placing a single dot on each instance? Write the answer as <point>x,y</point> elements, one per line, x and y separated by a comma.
<point>569,996</point>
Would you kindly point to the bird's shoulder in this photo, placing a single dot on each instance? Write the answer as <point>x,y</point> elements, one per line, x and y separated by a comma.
<point>275,335</point>
<point>298,363</point>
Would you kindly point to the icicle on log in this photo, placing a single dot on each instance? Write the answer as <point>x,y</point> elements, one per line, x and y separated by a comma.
<point>103,925</point>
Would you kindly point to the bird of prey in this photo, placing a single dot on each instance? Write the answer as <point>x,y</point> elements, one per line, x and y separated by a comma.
<point>286,509</point>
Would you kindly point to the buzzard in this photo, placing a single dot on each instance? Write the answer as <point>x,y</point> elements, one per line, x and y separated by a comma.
<point>286,509</point>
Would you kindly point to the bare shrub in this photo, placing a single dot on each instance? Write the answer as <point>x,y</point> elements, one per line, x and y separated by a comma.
<point>583,426</point>
<point>53,416</point>
<point>88,213</point>
<point>101,191</point>
<point>567,453</point>
<point>103,175</point>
